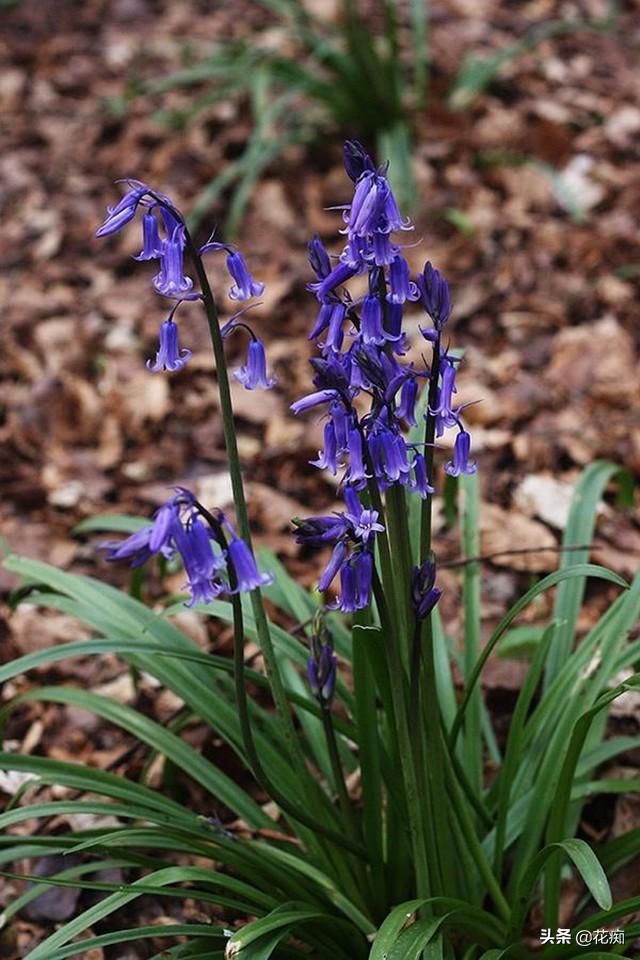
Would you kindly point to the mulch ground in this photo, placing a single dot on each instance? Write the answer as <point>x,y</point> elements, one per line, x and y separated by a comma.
<point>529,203</point>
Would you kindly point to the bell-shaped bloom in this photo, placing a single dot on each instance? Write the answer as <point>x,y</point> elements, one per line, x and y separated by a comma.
<point>347,601</point>
<point>323,320</point>
<point>152,244</point>
<point>420,484</point>
<point>356,474</point>
<point>328,456</point>
<point>371,328</point>
<point>342,424</point>
<point>169,355</point>
<point>401,286</point>
<point>374,209</point>
<point>244,286</point>
<point>363,563</point>
<point>388,452</point>
<point>355,583</point>
<point>201,564</point>
<point>382,250</point>
<point>171,281</point>
<point>443,411</point>
<point>335,334</point>
<point>406,409</point>
<point>247,574</point>
<point>254,373</point>
<point>460,463</point>
<point>135,548</point>
<point>164,526</point>
<point>336,562</point>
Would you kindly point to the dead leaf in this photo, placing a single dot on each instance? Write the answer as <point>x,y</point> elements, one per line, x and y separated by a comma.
<point>543,496</point>
<point>505,530</point>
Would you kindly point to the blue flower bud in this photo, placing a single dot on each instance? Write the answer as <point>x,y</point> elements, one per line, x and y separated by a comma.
<point>423,592</point>
<point>318,257</point>
<point>434,294</point>
<point>356,159</point>
<point>321,670</point>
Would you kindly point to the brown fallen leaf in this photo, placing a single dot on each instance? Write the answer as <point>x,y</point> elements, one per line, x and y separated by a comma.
<point>504,530</point>
<point>542,495</point>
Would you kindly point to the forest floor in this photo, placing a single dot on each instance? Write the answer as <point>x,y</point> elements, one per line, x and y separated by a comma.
<point>529,200</point>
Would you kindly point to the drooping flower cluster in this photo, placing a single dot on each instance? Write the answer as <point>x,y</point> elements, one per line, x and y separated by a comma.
<point>164,238</point>
<point>209,547</point>
<point>352,534</point>
<point>362,344</point>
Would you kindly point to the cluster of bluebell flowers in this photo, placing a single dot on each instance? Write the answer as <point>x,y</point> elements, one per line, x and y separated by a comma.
<point>216,560</point>
<point>362,343</point>
<point>164,239</point>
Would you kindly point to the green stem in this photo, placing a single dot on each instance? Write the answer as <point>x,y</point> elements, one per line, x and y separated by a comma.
<point>407,759</point>
<point>473,844</point>
<point>433,767</point>
<point>226,406</point>
<point>401,550</point>
<point>337,771</point>
<point>344,800</point>
<point>253,758</point>
<point>471,593</point>
<point>429,451</point>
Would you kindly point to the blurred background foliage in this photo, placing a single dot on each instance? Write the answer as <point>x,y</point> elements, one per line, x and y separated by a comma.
<point>364,72</point>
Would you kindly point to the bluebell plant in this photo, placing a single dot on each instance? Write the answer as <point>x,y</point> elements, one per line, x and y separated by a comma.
<point>368,395</point>
<point>382,838</point>
<point>362,342</point>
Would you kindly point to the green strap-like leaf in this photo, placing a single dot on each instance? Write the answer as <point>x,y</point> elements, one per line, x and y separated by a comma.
<point>581,570</point>
<point>585,862</point>
<point>168,744</point>
<point>155,931</point>
<point>579,530</point>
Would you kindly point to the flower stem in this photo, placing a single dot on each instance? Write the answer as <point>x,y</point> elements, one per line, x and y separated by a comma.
<point>429,438</point>
<point>262,625</point>
<point>253,758</point>
<point>407,759</point>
